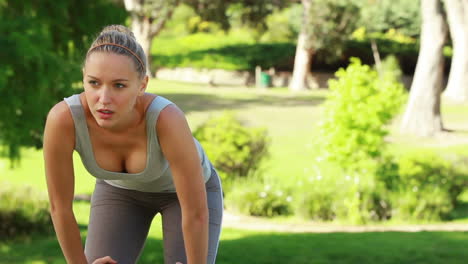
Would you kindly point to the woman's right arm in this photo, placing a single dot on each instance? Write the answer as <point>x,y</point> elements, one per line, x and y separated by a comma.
<point>59,142</point>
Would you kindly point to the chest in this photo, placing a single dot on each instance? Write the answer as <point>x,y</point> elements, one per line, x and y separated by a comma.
<point>124,152</point>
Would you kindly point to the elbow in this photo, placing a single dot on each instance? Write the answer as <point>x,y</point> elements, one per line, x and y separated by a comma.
<point>199,215</point>
<point>58,209</point>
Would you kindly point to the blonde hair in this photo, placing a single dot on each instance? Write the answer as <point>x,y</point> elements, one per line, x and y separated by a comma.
<point>120,40</point>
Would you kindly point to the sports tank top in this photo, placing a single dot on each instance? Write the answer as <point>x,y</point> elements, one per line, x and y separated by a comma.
<point>156,177</point>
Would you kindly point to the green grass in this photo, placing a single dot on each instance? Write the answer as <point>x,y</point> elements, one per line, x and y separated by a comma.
<point>240,246</point>
<point>291,120</point>
<point>243,246</point>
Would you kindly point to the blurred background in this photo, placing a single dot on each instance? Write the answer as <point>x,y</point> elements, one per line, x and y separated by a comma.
<point>339,127</point>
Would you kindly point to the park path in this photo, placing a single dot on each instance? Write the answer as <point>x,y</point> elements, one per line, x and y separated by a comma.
<point>232,220</point>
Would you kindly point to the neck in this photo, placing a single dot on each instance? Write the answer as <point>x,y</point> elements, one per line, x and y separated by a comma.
<point>134,120</point>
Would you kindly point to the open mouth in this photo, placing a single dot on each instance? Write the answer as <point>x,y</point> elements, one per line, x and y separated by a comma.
<point>105,113</point>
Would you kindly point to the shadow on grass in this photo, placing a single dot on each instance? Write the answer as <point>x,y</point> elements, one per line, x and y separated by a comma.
<point>263,247</point>
<point>373,247</point>
<point>460,211</point>
<point>208,102</point>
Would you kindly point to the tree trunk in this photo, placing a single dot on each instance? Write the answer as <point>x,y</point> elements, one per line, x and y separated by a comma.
<point>141,30</point>
<point>376,54</point>
<point>148,19</point>
<point>303,57</point>
<point>422,116</point>
<point>302,62</point>
<point>457,16</point>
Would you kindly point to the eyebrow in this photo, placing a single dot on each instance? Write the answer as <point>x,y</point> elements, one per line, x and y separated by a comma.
<point>116,80</point>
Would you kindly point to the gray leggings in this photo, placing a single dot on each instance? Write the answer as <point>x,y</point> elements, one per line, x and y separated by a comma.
<point>120,220</point>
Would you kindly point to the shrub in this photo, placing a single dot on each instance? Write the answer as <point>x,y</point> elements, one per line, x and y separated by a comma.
<point>427,187</point>
<point>219,51</point>
<point>359,106</point>
<point>341,198</point>
<point>253,197</point>
<point>23,211</point>
<point>234,149</point>
<point>316,203</point>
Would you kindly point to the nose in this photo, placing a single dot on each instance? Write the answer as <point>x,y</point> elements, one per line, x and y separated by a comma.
<point>105,97</point>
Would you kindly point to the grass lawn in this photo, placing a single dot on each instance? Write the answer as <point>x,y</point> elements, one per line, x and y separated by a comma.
<point>242,246</point>
<point>290,120</point>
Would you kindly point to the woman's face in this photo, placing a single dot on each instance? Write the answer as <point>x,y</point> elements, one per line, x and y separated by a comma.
<point>112,86</point>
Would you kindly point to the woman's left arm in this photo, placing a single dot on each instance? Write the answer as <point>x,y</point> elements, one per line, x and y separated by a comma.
<point>179,148</point>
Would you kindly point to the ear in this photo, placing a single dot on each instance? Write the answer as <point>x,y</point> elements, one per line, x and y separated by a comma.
<point>144,84</point>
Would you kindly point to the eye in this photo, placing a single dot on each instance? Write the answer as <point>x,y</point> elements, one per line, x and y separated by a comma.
<point>120,85</point>
<point>93,82</point>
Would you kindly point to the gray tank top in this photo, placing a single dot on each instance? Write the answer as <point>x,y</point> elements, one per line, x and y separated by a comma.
<point>156,177</point>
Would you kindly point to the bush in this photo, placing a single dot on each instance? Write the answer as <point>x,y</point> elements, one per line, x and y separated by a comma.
<point>427,186</point>
<point>234,149</point>
<point>253,197</point>
<point>316,203</point>
<point>220,51</point>
<point>22,212</point>
<point>359,106</point>
<point>341,198</point>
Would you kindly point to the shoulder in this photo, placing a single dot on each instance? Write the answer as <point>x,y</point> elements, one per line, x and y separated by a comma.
<point>60,116</point>
<point>60,128</point>
<point>170,116</point>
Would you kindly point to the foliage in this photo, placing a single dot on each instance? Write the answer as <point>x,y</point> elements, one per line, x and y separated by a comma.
<point>384,15</point>
<point>359,106</point>
<point>425,186</point>
<point>253,197</point>
<point>234,149</point>
<point>22,211</point>
<point>153,8</point>
<point>317,200</point>
<point>282,26</point>
<point>329,24</point>
<point>195,24</point>
<point>245,12</point>
<point>411,187</point>
<point>178,24</point>
<point>220,52</point>
<point>334,196</point>
<point>43,45</point>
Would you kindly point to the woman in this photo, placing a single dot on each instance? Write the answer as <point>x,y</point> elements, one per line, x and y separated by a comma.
<point>140,149</point>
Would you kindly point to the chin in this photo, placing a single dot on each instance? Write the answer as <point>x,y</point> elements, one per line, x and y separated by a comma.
<point>104,123</point>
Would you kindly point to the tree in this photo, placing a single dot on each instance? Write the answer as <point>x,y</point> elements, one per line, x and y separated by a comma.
<point>150,16</point>
<point>422,115</point>
<point>379,16</point>
<point>457,16</point>
<point>325,25</point>
<point>304,51</point>
<point>43,44</point>
<point>148,19</point>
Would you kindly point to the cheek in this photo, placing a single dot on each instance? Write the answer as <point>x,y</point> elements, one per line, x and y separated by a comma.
<point>127,102</point>
<point>91,96</point>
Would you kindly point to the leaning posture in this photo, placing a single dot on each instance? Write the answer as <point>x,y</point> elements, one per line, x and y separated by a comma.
<point>140,149</point>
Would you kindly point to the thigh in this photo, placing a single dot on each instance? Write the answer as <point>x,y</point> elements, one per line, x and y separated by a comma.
<point>118,225</point>
<point>174,250</point>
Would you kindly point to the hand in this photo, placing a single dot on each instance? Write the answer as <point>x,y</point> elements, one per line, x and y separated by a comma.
<point>105,260</point>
